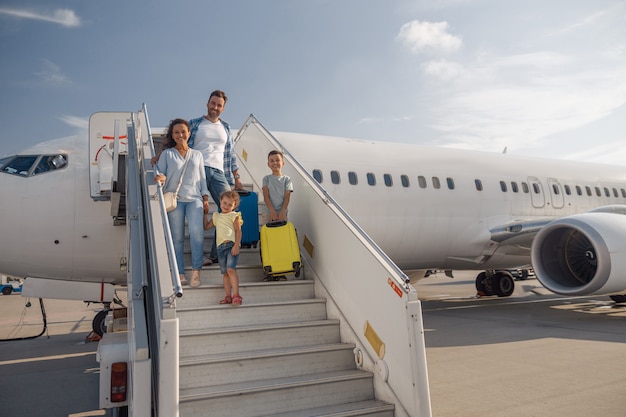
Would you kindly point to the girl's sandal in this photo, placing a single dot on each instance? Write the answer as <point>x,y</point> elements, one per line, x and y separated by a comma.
<point>226,300</point>
<point>237,300</point>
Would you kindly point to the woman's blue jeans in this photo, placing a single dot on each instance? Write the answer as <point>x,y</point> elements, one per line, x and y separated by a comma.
<point>194,212</point>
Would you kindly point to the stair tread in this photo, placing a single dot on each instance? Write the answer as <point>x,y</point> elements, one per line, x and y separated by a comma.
<point>248,284</point>
<point>264,353</point>
<point>238,329</point>
<point>249,305</point>
<point>195,393</point>
<point>341,410</point>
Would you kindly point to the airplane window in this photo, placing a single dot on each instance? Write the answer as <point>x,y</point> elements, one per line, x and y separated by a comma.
<point>615,193</point>
<point>50,163</point>
<point>588,189</point>
<point>317,174</point>
<point>514,187</point>
<point>436,183</point>
<point>598,192</point>
<point>579,190</point>
<point>479,184</point>
<point>555,189</point>
<point>568,190</point>
<point>371,178</point>
<point>525,187</point>
<point>606,192</point>
<point>59,161</point>
<point>20,165</point>
<point>536,188</point>
<point>450,182</point>
<point>421,180</point>
<point>623,193</point>
<point>503,186</point>
<point>334,177</point>
<point>405,180</point>
<point>352,179</point>
<point>388,180</point>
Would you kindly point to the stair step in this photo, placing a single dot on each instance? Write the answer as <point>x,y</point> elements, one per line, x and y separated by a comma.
<point>370,408</point>
<point>224,316</point>
<point>251,338</point>
<point>211,274</point>
<point>276,355</point>
<point>228,368</point>
<point>274,396</point>
<point>256,292</point>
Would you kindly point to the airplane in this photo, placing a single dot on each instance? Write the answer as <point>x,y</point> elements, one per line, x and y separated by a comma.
<point>435,208</point>
<point>428,208</point>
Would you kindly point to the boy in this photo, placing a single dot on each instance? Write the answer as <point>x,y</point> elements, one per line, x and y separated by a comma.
<point>277,189</point>
<point>228,239</point>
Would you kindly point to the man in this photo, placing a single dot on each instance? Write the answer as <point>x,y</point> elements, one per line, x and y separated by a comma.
<point>211,136</point>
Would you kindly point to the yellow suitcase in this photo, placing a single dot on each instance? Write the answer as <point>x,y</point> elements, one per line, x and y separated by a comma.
<point>280,253</point>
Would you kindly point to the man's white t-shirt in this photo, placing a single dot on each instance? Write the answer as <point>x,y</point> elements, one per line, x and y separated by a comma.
<point>211,140</point>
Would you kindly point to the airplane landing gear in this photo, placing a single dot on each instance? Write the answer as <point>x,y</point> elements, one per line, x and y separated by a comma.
<point>498,283</point>
<point>99,321</point>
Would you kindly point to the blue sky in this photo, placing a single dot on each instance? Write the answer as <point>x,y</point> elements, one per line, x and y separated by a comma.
<point>542,78</point>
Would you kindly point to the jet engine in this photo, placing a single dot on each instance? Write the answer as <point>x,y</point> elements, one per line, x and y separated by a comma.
<point>583,254</point>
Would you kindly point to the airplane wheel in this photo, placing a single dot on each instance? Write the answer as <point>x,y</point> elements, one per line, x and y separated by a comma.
<point>523,275</point>
<point>619,298</point>
<point>483,284</point>
<point>98,324</point>
<point>503,284</point>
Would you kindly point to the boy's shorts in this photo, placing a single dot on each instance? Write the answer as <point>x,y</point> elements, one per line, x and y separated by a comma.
<point>225,258</point>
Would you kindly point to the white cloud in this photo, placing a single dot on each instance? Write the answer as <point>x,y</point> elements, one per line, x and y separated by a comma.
<point>420,36</point>
<point>63,17</point>
<point>442,69</point>
<point>375,120</point>
<point>522,99</point>
<point>79,122</point>
<point>51,74</point>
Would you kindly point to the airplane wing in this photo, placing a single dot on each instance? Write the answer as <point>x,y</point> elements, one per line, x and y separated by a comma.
<point>516,237</point>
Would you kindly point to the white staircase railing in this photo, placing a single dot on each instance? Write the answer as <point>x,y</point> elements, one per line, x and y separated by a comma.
<point>365,289</point>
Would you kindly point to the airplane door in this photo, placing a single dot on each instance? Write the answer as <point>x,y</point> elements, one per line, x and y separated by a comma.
<point>536,192</point>
<point>556,193</point>
<point>102,169</point>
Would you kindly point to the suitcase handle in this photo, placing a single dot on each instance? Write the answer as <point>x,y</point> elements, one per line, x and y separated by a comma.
<point>276,223</point>
<point>243,193</point>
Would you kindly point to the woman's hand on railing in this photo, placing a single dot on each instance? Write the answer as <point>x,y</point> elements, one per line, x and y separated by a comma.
<point>159,178</point>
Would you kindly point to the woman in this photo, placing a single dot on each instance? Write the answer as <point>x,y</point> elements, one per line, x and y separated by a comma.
<point>193,195</point>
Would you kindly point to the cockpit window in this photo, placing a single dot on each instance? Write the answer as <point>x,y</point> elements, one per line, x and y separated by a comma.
<point>29,165</point>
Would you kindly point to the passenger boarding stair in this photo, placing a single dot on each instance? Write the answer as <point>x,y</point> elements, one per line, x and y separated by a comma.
<point>342,339</point>
<point>277,354</point>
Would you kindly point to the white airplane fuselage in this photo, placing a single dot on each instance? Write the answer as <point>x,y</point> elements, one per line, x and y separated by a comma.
<point>52,228</point>
<point>450,227</point>
<point>427,208</point>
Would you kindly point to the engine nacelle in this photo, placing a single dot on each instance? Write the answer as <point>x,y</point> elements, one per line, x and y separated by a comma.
<point>582,254</point>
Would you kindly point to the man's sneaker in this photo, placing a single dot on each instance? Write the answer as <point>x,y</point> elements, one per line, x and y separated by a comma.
<point>195,278</point>
<point>207,261</point>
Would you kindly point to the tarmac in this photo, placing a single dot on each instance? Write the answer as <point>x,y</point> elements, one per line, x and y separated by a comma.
<point>55,374</point>
<point>534,354</point>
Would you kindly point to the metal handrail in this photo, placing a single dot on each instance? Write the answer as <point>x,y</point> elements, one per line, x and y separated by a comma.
<point>169,242</point>
<point>395,272</point>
